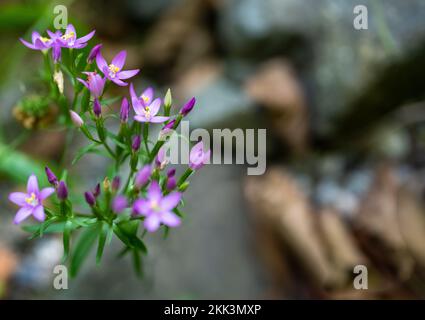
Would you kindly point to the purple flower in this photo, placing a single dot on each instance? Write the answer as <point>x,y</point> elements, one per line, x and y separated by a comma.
<point>171,183</point>
<point>69,38</point>
<point>158,208</point>
<point>119,203</point>
<point>113,71</point>
<point>93,53</point>
<point>146,111</point>
<point>198,157</point>
<point>135,145</point>
<point>38,42</point>
<point>76,119</point>
<point>31,202</point>
<point>188,107</point>
<point>51,176</point>
<point>62,191</point>
<point>161,160</point>
<point>97,108</point>
<point>90,198</point>
<point>95,83</point>
<point>56,44</point>
<point>125,109</point>
<point>171,172</point>
<point>142,176</point>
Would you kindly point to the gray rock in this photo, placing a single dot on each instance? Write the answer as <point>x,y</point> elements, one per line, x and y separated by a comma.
<point>345,59</point>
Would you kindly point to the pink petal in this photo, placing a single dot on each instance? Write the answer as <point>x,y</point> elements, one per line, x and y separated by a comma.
<point>45,193</point>
<point>70,28</point>
<point>154,191</point>
<point>171,201</point>
<point>154,106</point>
<point>152,223</point>
<point>159,119</point>
<point>101,63</point>
<point>140,118</point>
<point>170,219</point>
<point>148,93</point>
<point>18,198</point>
<point>34,36</point>
<point>22,214</point>
<point>127,74</point>
<point>32,185</point>
<point>86,38</point>
<point>142,207</point>
<point>84,83</point>
<point>119,82</point>
<point>38,213</point>
<point>133,95</point>
<point>119,59</point>
<point>27,44</point>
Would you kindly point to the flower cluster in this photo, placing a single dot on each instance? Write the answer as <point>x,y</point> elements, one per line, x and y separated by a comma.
<point>150,195</point>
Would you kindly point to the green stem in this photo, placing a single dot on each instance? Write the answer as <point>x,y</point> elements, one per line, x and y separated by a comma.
<point>184,177</point>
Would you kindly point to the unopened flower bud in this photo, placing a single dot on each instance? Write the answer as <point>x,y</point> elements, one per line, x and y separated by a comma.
<point>106,184</point>
<point>96,191</point>
<point>188,107</point>
<point>142,176</point>
<point>62,191</point>
<point>171,183</point>
<point>97,109</point>
<point>58,79</point>
<point>93,53</point>
<point>124,110</point>
<point>51,176</point>
<point>116,182</point>
<point>136,143</point>
<point>76,119</point>
<point>90,198</point>
<point>184,186</point>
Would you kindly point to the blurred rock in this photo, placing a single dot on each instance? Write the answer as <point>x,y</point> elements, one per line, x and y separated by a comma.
<point>345,59</point>
<point>276,87</point>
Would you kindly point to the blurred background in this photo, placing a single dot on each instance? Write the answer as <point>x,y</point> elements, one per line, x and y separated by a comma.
<point>344,113</point>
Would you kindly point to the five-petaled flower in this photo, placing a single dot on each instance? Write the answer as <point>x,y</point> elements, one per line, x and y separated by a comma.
<point>146,110</point>
<point>157,208</point>
<point>69,38</point>
<point>31,202</point>
<point>113,71</point>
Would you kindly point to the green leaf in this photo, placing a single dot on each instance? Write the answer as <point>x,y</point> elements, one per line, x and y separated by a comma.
<point>85,100</point>
<point>87,149</point>
<point>137,263</point>
<point>66,239</point>
<point>82,249</point>
<point>103,234</point>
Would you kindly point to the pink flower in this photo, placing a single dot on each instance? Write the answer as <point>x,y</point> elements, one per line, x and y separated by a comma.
<point>31,202</point>
<point>114,71</point>
<point>146,110</point>
<point>158,208</point>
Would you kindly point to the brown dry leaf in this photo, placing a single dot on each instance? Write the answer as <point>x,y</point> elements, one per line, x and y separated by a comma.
<point>277,198</point>
<point>341,246</point>
<point>378,219</point>
<point>276,87</point>
<point>8,263</point>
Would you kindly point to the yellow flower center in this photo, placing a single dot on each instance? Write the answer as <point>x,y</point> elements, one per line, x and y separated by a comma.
<point>155,205</point>
<point>32,200</point>
<point>69,35</point>
<point>44,39</point>
<point>147,113</point>
<point>145,98</point>
<point>114,69</point>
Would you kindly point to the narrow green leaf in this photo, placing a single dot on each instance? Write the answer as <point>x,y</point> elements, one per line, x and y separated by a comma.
<point>66,239</point>
<point>83,151</point>
<point>103,233</point>
<point>82,249</point>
